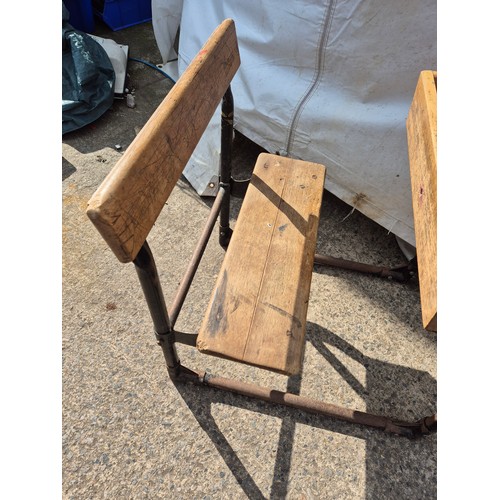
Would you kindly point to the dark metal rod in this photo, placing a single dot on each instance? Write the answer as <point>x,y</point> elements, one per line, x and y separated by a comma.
<point>184,285</point>
<point>309,405</point>
<point>350,265</point>
<point>150,283</point>
<point>226,153</point>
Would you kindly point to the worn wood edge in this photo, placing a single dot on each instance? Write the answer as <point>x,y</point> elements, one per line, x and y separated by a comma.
<point>216,354</point>
<point>99,218</point>
<point>428,81</point>
<point>427,85</point>
<point>138,150</point>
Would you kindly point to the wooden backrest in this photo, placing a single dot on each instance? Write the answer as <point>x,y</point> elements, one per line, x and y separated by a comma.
<point>127,203</point>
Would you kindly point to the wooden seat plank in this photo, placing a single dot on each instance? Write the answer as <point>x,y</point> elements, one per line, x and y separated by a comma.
<point>257,313</point>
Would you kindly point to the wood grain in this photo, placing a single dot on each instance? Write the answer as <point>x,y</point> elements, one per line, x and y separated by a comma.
<point>422,148</point>
<point>257,313</point>
<point>126,205</point>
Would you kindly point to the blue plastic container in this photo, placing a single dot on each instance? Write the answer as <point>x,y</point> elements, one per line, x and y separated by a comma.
<point>119,14</point>
<point>81,15</point>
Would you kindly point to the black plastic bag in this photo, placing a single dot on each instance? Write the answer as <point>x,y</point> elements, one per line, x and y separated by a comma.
<point>88,78</point>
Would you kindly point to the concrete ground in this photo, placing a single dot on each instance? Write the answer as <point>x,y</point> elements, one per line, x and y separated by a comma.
<point>128,432</point>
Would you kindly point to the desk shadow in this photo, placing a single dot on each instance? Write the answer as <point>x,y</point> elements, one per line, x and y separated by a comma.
<point>395,467</point>
<point>67,169</point>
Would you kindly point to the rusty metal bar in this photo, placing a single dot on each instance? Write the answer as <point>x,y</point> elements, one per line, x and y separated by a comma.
<point>401,428</point>
<point>382,272</point>
<point>184,285</point>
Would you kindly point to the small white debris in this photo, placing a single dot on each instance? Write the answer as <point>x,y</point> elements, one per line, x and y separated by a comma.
<point>130,101</point>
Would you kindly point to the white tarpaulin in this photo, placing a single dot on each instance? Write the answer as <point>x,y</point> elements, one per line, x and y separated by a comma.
<point>328,81</point>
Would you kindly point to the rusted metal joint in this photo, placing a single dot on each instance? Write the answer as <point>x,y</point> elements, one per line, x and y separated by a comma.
<point>165,338</point>
<point>395,274</point>
<point>239,187</point>
<point>407,271</point>
<point>166,342</point>
<point>225,234</point>
<point>173,372</point>
<point>422,427</point>
<point>401,429</point>
<point>185,375</point>
<point>428,425</point>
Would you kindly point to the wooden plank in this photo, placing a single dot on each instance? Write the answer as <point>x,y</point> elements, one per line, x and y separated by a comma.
<point>126,205</point>
<point>257,313</point>
<point>422,148</point>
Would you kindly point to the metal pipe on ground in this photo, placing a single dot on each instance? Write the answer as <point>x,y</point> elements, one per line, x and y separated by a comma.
<point>401,428</point>
<point>350,265</point>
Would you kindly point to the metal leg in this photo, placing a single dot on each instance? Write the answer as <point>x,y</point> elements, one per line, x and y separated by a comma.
<point>150,282</point>
<point>225,165</point>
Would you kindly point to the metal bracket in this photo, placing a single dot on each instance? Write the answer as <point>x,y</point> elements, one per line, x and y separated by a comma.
<point>165,338</point>
<point>239,187</point>
<point>174,336</point>
<point>185,338</point>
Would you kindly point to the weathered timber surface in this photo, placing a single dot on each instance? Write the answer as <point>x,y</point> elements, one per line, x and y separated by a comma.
<point>126,205</point>
<point>422,148</point>
<point>257,313</point>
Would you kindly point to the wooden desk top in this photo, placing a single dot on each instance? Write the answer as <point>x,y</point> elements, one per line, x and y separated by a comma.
<point>421,128</point>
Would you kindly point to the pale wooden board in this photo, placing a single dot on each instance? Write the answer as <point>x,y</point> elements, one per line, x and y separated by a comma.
<point>126,205</point>
<point>422,148</point>
<point>257,313</point>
